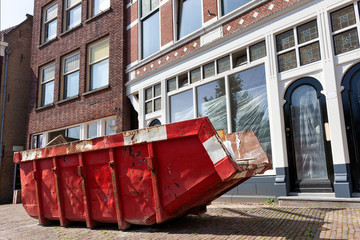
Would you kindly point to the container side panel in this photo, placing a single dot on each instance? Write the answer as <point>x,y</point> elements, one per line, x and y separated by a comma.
<point>48,189</point>
<point>99,182</point>
<point>182,164</point>
<point>28,188</point>
<point>71,188</point>
<point>135,184</point>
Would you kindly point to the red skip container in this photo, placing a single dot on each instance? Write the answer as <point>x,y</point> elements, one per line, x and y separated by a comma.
<point>143,177</point>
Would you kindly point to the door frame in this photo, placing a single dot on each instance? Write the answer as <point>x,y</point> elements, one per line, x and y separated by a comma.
<point>298,185</point>
<point>352,119</point>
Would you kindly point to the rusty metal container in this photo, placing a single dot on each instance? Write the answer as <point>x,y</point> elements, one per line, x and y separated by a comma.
<point>143,177</point>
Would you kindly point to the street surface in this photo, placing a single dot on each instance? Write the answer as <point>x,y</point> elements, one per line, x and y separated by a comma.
<point>222,221</point>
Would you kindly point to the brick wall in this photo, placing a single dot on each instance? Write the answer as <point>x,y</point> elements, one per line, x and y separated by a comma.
<point>107,102</point>
<point>16,100</point>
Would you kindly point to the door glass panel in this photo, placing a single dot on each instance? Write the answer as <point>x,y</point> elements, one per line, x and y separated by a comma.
<point>308,134</point>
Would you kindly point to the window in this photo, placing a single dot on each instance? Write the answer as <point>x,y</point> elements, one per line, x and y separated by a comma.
<point>171,84</point>
<point>49,22</point>
<point>91,130</point>
<point>195,75</point>
<point>70,134</point>
<point>98,6</point>
<point>189,17</point>
<point>181,106</point>
<point>71,76</point>
<point>99,65</point>
<point>257,51</point>
<point>47,75</point>
<point>110,127</point>
<point>150,26</point>
<point>231,5</point>
<point>345,34</point>
<point>37,141</point>
<point>72,13</point>
<point>153,99</point>
<point>209,70</point>
<point>298,46</point>
<point>223,64</point>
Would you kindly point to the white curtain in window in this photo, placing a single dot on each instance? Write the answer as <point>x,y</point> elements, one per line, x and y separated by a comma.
<point>72,63</point>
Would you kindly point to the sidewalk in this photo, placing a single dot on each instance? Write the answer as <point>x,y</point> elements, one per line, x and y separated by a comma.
<point>222,221</point>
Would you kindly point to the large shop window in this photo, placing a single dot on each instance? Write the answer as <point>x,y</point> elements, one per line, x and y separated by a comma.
<point>47,76</point>
<point>98,6</point>
<point>189,17</point>
<point>70,134</point>
<point>182,106</point>
<point>71,66</point>
<point>298,46</point>
<point>99,64</point>
<point>72,14</point>
<point>150,26</point>
<point>231,5</point>
<point>50,22</point>
<point>249,104</point>
<point>345,33</point>
<point>211,102</point>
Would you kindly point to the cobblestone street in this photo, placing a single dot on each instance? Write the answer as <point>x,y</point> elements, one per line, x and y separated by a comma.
<point>222,221</point>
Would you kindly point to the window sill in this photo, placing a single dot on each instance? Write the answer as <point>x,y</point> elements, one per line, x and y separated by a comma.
<point>48,42</point>
<point>70,30</point>
<point>44,107</point>
<point>67,99</point>
<point>96,90</point>
<point>99,14</point>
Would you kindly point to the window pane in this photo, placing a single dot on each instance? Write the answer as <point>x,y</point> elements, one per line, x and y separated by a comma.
<point>190,17</point>
<point>99,74</point>
<point>71,3</point>
<point>148,107</point>
<point>72,63</point>
<point>171,84</point>
<point>51,12</point>
<point>308,133</point>
<point>73,17</point>
<point>100,5</point>
<point>285,40</point>
<point>181,106</point>
<point>148,93</point>
<point>151,35</point>
<point>50,30</point>
<point>110,127</point>
<point>223,64</point>
<point>249,106</point>
<point>145,7</point>
<point>73,134</point>
<point>257,51</point>
<point>195,75</point>
<point>343,18</point>
<point>209,70</point>
<point>346,41</point>
<point>157,104</point>
<point>71,85</point>
<point>154,4</point>
<point>47,93</point>
<point>157,90</point>
<point>211,102</point>
<point>287,61</point>
<point>92,130</point>
<point>230,5</point>
<point>307,32</point>
<point>48,73</point>
<point>309,53</point>
<point>183,80</point>
<point>99,51</point>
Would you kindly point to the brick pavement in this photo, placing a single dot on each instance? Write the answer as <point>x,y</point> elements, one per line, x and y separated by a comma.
<point>222,221</point>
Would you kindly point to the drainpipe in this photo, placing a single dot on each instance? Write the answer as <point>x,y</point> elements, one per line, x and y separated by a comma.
<point>7,51</point>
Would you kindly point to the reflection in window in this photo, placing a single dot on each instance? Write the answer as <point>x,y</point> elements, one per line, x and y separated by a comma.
<point>71,76</point>
<point>151,34</point>
<point>190,17</point>
<point>211,102</point>
<point>47,85</point>
<point>91,130</point>
<point>37,141</point>
<point>308,133</point>
<point>230,5</point>
<point>110,127</point>
<point>181,106</point>
<point>249,105</point>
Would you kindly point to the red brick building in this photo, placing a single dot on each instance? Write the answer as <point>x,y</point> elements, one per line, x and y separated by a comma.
<point>78,52</point>
<point>15,76</point>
